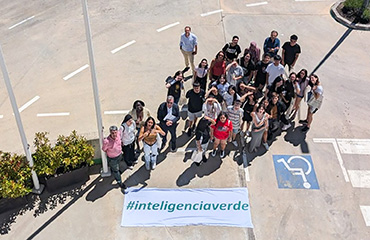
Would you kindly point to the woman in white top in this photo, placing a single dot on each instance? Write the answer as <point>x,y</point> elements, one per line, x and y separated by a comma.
<point>127,130</point>
<point>315,97</point>
<point>200,74</point>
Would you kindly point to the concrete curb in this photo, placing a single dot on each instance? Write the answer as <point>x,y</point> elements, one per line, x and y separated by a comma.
<point>335,14</point>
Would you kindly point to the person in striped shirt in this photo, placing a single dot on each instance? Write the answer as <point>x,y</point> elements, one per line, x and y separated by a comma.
<point>235,113</point>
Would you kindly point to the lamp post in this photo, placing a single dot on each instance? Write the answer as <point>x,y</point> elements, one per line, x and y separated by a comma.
<point>105,171</point>
<point>37,187</point>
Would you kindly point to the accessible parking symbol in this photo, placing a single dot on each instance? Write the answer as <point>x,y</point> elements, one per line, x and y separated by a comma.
<point>295,171</point>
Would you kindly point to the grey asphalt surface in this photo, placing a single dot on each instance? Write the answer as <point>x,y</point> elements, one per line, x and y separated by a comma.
<point>48,47</point>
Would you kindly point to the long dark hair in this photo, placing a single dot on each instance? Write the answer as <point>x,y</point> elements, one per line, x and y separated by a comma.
<point>317,81</point>
<point>147,120</point>
<point>235,94</point>
<point>200,64</point>
<point>219,54</point>
<point>301,80</point>
<point>222,113</point>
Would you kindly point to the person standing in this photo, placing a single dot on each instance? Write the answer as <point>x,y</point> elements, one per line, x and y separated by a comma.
<point>112,147</point>
<point>202,136</point>
<point>217,68</point>
<point>200,74</point>
<point>235,114</point>
<point>232,50</point>
<point>259,128</point>
<point>260,73</point>
<point>315,97</point>
<point>149,134</point>
<point>290,53</point>
<point>188,47</point>
<point>174,85</point>
<point>272,44</point>
<point>139,113</point>
<point>274,70</point>
<point>254,51</point>
<point>127,131</point>
<point>234,72</point>
<point>168,115</point>
<point>221,132</point>
<point>195,104</point>
<point>211,107</point>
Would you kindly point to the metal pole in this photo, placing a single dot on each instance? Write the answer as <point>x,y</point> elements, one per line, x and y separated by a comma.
<point>105,171</point>
<point>26,147</point>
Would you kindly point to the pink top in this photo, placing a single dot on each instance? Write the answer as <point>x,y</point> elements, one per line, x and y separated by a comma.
<point>112,146</point>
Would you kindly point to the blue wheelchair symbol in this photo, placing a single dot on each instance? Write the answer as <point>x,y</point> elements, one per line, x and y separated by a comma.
<point>294,171</point>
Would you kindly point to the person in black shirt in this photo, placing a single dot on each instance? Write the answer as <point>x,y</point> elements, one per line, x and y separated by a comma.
<point>232,50</point>
<point>248,67</point>
<point>195,104</point>
<point>291,51</point>
<point>202,135</point>
<point>260,78</point>
<point>174,85</point>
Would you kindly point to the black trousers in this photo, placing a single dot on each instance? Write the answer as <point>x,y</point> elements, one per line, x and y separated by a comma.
<point>172,130</point>
<point>129,153</point>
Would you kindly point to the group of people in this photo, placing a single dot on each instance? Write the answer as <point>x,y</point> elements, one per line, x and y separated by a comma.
<point>248,96</point>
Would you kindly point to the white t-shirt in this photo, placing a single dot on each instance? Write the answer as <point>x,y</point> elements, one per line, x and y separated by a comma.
<point>274,72</point>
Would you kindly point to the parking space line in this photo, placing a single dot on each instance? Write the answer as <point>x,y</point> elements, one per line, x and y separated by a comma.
<point>309,0</point>
<point>360,178</point>
<point>337,152</point>
<point>21,22</point>
<point>123,46</point>
<point>210,13</point>
<point>256,4</point>
<point>1,116</point>
<point>27,104</point>
<point>168,26</point>
<point>52,114</point>
<point>365,210</point>
<point>75,72</point>
<point>354,146</point>
<point>116,112</point>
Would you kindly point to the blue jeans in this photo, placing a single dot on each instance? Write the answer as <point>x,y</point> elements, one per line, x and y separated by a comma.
<point>114,167</point>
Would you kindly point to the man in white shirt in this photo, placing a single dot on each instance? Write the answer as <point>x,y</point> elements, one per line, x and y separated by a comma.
<point>274,70</point>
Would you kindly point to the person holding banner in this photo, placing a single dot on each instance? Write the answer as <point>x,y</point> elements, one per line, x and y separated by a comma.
<point>202,137</point>
<point>221,132</point>
<point>149,134</point>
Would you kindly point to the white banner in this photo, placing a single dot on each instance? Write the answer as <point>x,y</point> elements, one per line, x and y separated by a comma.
<point>180,207</point>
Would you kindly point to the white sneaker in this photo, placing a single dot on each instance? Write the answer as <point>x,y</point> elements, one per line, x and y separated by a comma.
<point>147,165</point>
<point>222,153</point>
<point>266,146</point>
<point>154,164</point>
<point>214,152</point>
<point>130,167</point>
<point>285,127</point>
<point>248,133</point>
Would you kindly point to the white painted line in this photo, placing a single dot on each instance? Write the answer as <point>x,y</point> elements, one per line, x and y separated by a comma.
<point>122,47</point>
<point>210,13</point>
<point>354,146</point>
<point>75,72</point>
<point>360,178</point>
<point>337,152</point>
<point>256,4</point>
<point>116,112</point>
<point>365,210</point>
<point>17,24</point>
<point>1,116</point>
<point>168,26</point>
<point>27,104</point>
<point>247,176</point>
<point>184,150</point>
<point>53,114</point>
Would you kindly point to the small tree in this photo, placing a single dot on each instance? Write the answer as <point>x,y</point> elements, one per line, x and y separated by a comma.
<point>353,9</point>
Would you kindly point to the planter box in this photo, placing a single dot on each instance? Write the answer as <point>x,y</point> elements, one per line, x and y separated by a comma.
<point>8,204</point>
<point>80,175</point>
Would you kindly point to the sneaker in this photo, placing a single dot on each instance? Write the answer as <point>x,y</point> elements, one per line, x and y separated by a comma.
<point>266,146</point>
<point>214,152</point>
<point>305,129</point>
<point>204,159</point>
<point>197,163</point>
<point>303,121</point>
<point>222,155</point>
<point>147,165</point>
<point>185,69</point>
<point>121,185</point>
<point>285,127</point>
<point>136,161</point>
<point>235,143</point>
<point>154,164</point>
<point>130,167</point>
<point>173,149</point>
<point>248,133</point>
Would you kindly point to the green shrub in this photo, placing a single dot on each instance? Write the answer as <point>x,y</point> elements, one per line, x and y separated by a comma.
<point>15,176</point>
<point>69,153</point>
<point>354,6</point>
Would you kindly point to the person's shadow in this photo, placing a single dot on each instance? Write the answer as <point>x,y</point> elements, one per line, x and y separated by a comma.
<point>296,137</point>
